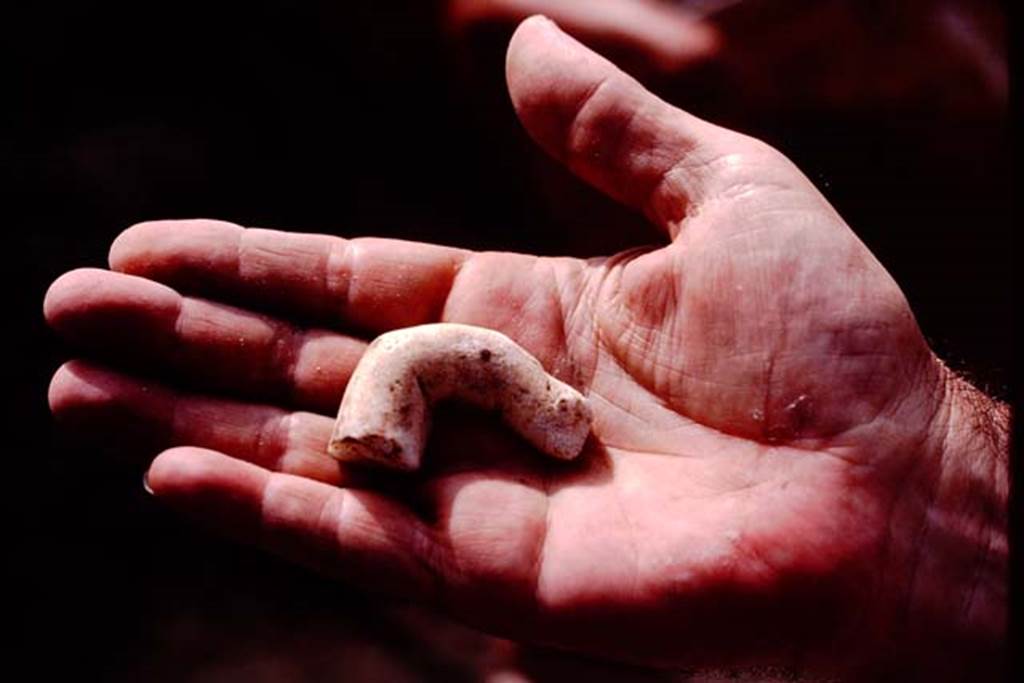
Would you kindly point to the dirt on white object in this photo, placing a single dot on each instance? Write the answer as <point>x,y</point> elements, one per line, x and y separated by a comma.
<point>385,414</point>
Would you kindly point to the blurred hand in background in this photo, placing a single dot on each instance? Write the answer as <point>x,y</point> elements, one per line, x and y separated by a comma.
<point>946,55</point>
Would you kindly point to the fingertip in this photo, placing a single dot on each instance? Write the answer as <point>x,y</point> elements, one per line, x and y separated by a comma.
<point>89,305</point>
<point>107,409</point>
<point>531,32</point>
<point>182,470</point>
<point>64,296</point>
<point>523,56</point>
<point>131,244</point>
<point>79,389</point>
<point>190,471</point>
<point>138,248</point>
<point>64,386</point>
<point>210,487</point>
<point>669,39</point>
<point>537,22</point>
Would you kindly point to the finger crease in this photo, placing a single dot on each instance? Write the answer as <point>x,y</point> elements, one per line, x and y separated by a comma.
<point>433,559</point>
<point>272,441</point>
<point>176,346</point>
<point>284,360</point>
<point>337,279</point>
<point>577,122</point>
<point>240,255</point>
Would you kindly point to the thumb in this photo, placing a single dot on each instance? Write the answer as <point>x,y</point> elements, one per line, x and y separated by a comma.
<point>613,133</point>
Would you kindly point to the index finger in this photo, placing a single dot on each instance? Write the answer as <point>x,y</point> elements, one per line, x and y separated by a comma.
<point>368,284</point>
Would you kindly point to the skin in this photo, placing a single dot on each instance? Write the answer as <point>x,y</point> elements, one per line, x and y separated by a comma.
<point>657,33</point>
<point>892,56</point>
<point>782,471</point>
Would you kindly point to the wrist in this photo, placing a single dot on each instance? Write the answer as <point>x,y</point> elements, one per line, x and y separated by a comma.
<point>954,620</point>
<point>973,500</point>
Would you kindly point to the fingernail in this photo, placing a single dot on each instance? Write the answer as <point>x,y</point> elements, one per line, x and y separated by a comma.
<point>145,484</point>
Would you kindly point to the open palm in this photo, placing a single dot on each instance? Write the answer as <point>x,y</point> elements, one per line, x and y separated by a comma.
<point>761,395</point>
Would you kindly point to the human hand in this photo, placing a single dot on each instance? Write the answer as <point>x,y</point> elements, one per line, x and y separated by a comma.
<point>781,470</point>
<point>766,56</point>
<point>940,57</point>
<point>647,34</point>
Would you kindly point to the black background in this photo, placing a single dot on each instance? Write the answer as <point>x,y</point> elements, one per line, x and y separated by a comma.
<point>351,120</point>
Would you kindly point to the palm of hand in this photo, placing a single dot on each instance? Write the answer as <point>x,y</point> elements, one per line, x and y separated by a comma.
<point>737,416</point>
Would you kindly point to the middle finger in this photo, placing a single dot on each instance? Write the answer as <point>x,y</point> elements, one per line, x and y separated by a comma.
<point>135,322</point>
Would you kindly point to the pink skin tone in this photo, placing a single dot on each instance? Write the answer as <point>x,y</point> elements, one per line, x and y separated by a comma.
<point>949,57</point>
<point>781,471</point>
<point>661,34</point>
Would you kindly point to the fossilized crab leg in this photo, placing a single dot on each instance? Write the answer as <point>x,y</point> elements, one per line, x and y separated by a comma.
<point>385,414</point>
